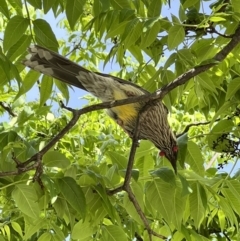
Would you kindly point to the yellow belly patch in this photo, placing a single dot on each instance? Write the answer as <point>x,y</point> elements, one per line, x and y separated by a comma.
<point>124,112</point>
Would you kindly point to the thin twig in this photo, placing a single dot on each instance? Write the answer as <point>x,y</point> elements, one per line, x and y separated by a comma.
<point>7,108</point>
<point>29,18</point>
<point>226,236</point>
<point>213,159</point>
<point>194,124</point>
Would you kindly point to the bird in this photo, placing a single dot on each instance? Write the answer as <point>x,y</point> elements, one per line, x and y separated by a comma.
<point>153,121</point>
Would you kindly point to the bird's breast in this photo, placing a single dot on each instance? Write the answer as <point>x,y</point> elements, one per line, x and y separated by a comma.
<point>124,112</point>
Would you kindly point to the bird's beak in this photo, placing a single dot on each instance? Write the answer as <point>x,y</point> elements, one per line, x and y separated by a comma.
<point>173,161</point>
<point>174,165</point>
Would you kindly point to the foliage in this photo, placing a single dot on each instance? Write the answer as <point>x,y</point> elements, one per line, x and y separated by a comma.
<point>152,43</point>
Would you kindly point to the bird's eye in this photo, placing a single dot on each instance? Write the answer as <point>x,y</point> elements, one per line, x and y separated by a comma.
<point>161,153</point>
<point>175,148</point>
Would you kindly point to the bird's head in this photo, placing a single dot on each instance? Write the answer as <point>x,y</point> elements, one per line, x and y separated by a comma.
<point>171,154</point>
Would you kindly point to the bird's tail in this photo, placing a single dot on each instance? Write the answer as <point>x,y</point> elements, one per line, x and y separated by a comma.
<point>55,65</point>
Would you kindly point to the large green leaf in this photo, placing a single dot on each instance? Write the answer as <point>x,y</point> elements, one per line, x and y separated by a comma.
<point>55,159</point>
<point>74,9</point>
<point>4,8</point>
<point>194,158</point>
<point>198,203</point>
<point>45,89</point>
<point>19,47</point>
<point>158,194</point>
<point>73,194</point>
<point>30,79</point>
<point>44,34</point>
<point>233,87</point>
<point>113,233</point>
<point>36,3</point>
<point>176,35</point>
<point>82,230</point>
<point>232,194</point>
<point>26,198</point>
<point>154,8</point>
<point>15,29</point>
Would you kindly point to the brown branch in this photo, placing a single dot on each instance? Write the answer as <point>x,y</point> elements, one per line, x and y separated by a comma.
<point>211,29</point>
<point>194,124</point>
<point>19,171</point>
<point>7,108</point>
<point>126,185</point>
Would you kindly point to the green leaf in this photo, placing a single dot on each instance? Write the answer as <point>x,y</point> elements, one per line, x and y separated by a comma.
<point>217,19</point>
<point>30,79</point>
<point>55,159</point>
<point>176,36</point>
<point>232,194</point>
<point>118,159</point>
<point>134,31</point>
<point>116,30</point>
<point>26,199</point>
<point>63,88</point>
<point>4,8</point>
<point>222,127</point>
<point>236,5</point>
<point>47,4</point>
<point>74,9</point>
<point>158,193</point>
<point>182,146</point>
<point>179,203</point>
<point>189,3</point>
<point>204,49</point>
<point>194,158</point>
<point>17,5</point>
<point>73,194</point>
<point>45,89</point>
<point>35,3</point>
<point>120,4</point>
<point>15,29</point>
<point>82,230</point>
<point>45,236</point>
<point>222,219</point>
<point>232,88</point>
<point>186,189</point>
<point>17,228</point>
<point>151,29</point>
<point>105,201</point>
<point>206,82</point>
<point>198,203</point>
<point>34,227</point>
<point>25,115</point>
<point>7,231</point>
<point>154,8</point>
<point>50,185</point>
<point>224,109</point>
<point>113,233</point>
<point>227,209</point>
<point>165,174</point>
<point>44,34</point>
<point>19,47</point>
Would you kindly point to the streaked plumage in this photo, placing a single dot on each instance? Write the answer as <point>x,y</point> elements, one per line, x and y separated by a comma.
<point>153,122</point>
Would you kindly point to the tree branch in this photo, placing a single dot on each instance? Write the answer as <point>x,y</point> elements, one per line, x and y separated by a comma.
<point>7,108</point>
<point>194,124</point>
